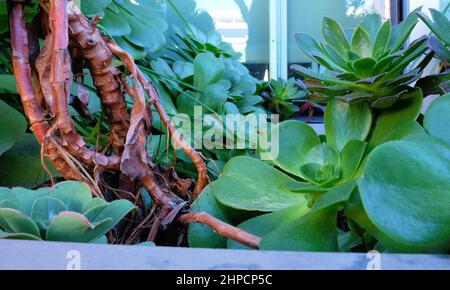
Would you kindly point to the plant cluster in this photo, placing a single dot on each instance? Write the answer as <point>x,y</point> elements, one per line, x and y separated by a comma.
<point>378,178</point>
<point>371,66</point>
<point>66,213</point>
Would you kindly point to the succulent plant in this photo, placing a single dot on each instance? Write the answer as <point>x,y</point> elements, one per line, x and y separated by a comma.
<point>439,25</point>
<point>440,44</point>
<point>66,213</point>
<point>280,94</point>
<point>370,66</point>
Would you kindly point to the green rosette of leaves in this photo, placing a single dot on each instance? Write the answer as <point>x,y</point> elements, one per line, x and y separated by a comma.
<point>380,183</point>
<point>66,213</point>
<point>367,64</point>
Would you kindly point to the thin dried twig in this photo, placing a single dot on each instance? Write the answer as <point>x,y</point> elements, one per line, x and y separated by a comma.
<point>222,228</point>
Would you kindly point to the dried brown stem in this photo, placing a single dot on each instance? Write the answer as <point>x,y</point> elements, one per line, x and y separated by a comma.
<point>22,72</point>
<point>222,228</point>
<point>196,157</point>
<point>105,75</point>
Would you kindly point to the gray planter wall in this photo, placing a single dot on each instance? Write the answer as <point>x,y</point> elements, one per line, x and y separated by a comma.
<point>16,254</point>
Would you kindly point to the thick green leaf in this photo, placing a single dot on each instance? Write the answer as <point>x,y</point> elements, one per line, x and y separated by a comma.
<point>437,118</point>
<point>267,223</point>
<point>214,96</point>
<point>12,127</point>
<point>24,157</point>
<point>74,195</point>
<point>147,22</point>
<point>382,40</point>
<point>313,50</point>
<point>315,232</point>
<point>295,140</point>
<point>403,130</point>
<point>114,24</point>
<point>402,31</point>
<point>362,43</point>
<point>372,23</point>
<point>74,227</point>
<point>8,84</point>
<point>364,67</point>
<point>115,210</point>
<point>95,202</point>
<point>25,198</point>
<point>321,164</point>
<point>14,221</point>
<point>92,7</point>
<point>335,37</point>
<point>44,209</point>
<point>345,122</point>
<point>354,210</point>
<point>348,240</point>
<point>389,119</point>
<point>207,70</point>
<point>440,25</point>
<point>336,196</point>
<point>352,156</point>
<point>249,184</point>
<point>137,52</point>
<point>406,190</point>
<point>19,236</point>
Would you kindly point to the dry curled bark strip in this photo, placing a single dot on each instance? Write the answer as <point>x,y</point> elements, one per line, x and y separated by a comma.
<point>22,72</point>
<point>60,80</point>
<point>105,75</point>
<point>196,157</point>
<point>222,228</point>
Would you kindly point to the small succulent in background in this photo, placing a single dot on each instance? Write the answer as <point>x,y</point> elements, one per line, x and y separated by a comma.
<point>372,65</point>
<point>282,97</point>
<point>66,213</point>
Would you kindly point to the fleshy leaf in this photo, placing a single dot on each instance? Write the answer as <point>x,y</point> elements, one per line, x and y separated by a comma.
<point>267,223</point>
<point>345,122</point>
<point>74,227</point>
<point>44,209</point>
<point>352,156</point>
<point>12,126</point>
<point>315,232</point>
<point>403,111</point>
<point>406,190</point>
<point>362,43</point>
<point>296,139</point>
<point>249,184</point>
<point>437,118</point>
<point>14,221</point>
<point>73,194</point>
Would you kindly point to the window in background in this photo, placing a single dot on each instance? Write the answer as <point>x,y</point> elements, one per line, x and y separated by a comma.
<point>245,25</point>
<point>306,17</point>
<point>422,29</point>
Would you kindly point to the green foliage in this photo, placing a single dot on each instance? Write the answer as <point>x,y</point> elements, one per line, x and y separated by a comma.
<point>12,127</point>
<point>137,26</point>
<point>370,67</point>
<point>282,97</point>
<point>397,193</point>
<point>438,25</point>
<point>209,74</point>
<point>67,213</point>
